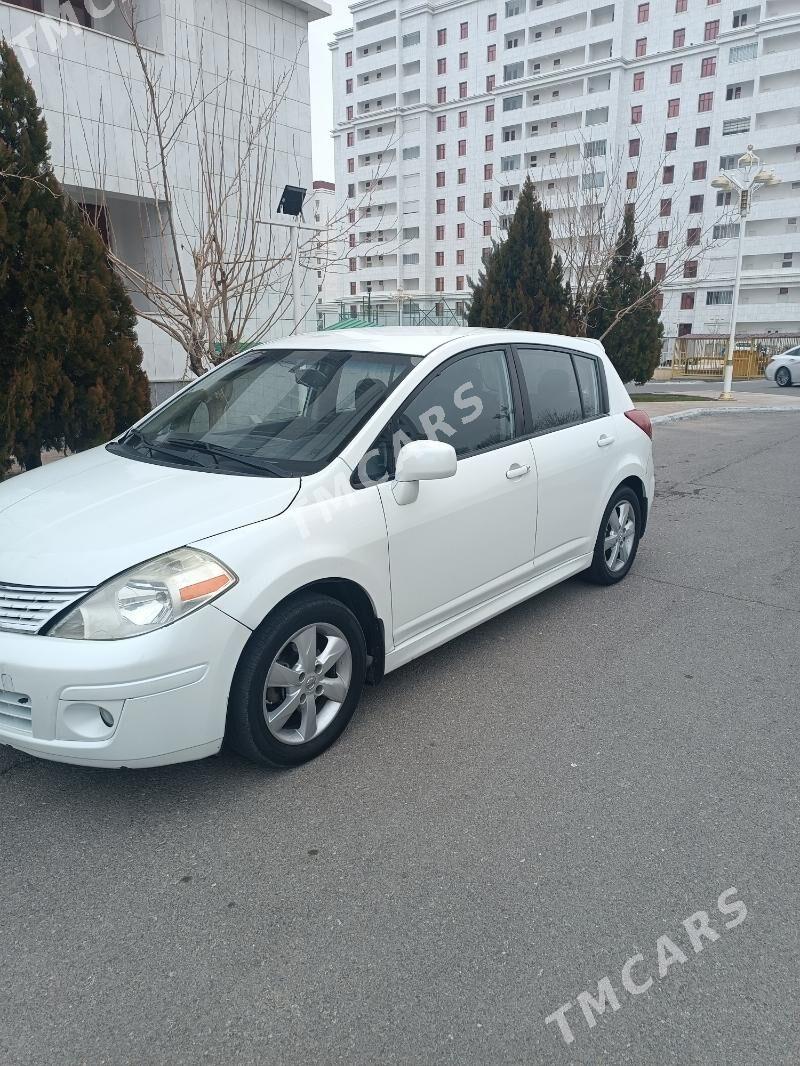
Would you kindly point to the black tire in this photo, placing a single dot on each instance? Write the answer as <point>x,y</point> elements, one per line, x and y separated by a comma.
<point>783,377</point>
<point>600,572</point>
<point>247,731</point>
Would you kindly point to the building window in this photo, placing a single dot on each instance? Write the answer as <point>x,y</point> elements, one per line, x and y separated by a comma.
<point>634,146</point>
<point>348,85</point>
<point>440,233</point>
<point>459,257</point>
<point>739,19</point>
<point>460,281</point>
<point>487,228</point>
<point>348,59</point>
<point>491,23</point>
<point>740,53</point>
<point>687,301</point>
<point>351,264</point>
<point>462,90</point>
<point>410,39</point>
<point>675,73</point>
<point>464,31</point>
<point>735,125</point>
<point>487,199</point>
<point>440,179</point>
<point>668,175</point>
<point>662,240</point>
<point>438,284</point>
<point>681,5</point>
<point>702,135</point>
<point>351,138</point>
<point>711,30</point>
<point>462,120</point>
<point>439,259</point>
<point>491,53</point>
<point>441,95</point>
<point>489,142</point>
<point>440,151</point>
<point>489,113</point>
<point>441,123</point>
<point>461,201</point>
<point>462,176</point>
<point>460,231</point>
<point>349,112</point>
<point>488,171</point>
<point>463,60</point>
<point>699,170</point>
<point>660,271</point>
<point>636,114</point>
<point>733,92</point>
<point>684,329</point>
<point>441,37</point>
<point>352,240</point>
<point>678,38</point>
<point>440,207</point>
<point>719,296</point>
<point>638,81</point>
<point>693,235</point>
<point>671,141</point>
<point>724,199</point>
<point>708,67</point>
<point>643,13</point>
<point>690,268</point>
<point>641,47</point>
<point>705,101</point>
<point>351,165</point>
<point>631,179</point>
<point>462,147</point>
<point>673,108</point>
<point>666,207</point>
<point>696,204</point>
<point>441,66</point>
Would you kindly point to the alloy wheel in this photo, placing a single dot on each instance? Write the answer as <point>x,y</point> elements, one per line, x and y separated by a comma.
<point>619,536</point>
<point>307,683</point>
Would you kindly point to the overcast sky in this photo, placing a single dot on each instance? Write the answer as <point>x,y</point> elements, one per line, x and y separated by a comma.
<point>319,33</point>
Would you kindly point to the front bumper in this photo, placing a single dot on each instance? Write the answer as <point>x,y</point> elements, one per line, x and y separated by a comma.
<point>165,694</point>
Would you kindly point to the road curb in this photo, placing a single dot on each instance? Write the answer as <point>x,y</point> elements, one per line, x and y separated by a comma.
<point>697,412</point>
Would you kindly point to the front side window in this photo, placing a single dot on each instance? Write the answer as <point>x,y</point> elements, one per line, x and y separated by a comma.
<point>552,388</point>
<point>276,412</point>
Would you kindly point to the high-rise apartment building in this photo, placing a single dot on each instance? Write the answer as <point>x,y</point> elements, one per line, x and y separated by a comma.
<point>442,110</point>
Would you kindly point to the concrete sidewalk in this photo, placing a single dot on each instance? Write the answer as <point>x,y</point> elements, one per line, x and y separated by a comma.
<point>788,399</point>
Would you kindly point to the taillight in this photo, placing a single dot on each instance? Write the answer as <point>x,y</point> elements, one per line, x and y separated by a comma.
<point>642,420</point>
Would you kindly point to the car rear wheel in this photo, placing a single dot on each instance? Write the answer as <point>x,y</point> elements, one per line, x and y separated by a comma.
<point>298,682</point>
<point>783,376</point>
<point>617,539</point>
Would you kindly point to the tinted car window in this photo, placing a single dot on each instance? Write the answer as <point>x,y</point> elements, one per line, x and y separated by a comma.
<point>589,384</point>
<point>468,405</point>
<point>551,387</point>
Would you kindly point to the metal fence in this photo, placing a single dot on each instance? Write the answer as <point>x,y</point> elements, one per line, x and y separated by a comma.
<point>703,355</point>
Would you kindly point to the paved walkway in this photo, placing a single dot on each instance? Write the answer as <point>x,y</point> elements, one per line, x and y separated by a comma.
<point>775,399</point>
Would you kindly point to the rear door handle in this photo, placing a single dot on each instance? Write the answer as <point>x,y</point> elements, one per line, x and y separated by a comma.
<point>604,441</point>
<point>516,470</point>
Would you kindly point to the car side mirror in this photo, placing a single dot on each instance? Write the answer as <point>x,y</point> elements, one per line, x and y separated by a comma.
<point>422,460</point>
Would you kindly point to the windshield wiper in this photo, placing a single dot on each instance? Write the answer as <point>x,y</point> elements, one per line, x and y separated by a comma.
<point>134,437</point>
<point>219,451</point>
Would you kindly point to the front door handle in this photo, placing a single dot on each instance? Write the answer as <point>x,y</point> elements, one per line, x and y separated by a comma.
<point>604,441</point>
<point>516,470</point>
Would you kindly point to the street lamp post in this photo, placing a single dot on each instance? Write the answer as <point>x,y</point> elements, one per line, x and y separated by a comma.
<point>750,177</point>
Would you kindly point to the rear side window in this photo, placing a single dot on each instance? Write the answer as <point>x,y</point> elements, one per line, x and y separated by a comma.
<point>589,384</point>
<point>551,387</point>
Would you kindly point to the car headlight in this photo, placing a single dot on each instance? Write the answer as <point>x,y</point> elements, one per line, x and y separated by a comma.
<point>149,596</point>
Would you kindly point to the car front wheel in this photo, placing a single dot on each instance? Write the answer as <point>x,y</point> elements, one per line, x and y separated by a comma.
<point>783,376</point>
<point>298,682</point>
<point>617,539</point>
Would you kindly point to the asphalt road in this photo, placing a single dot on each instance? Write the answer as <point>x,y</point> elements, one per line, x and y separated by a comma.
<point>504,823</point>
<point>702,387</point>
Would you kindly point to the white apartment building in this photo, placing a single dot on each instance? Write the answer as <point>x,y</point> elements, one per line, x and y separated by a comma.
<point>82,65</point>
<point>441,109</point>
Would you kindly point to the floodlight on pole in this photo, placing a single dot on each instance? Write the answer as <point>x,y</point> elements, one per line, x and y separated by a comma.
<point>291,203</point>
<point>750,177</point>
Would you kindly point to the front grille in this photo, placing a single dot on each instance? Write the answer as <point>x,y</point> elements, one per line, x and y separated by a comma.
<point>26,608</point>
<point>15,711</point>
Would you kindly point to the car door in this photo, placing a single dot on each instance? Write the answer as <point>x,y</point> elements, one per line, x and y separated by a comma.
<point>469,537</point>
<point>573,445</point>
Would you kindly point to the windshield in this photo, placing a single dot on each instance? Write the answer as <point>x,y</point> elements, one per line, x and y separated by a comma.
<point>276,412</point>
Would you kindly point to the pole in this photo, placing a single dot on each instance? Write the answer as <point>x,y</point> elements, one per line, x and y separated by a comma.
<point>727,379</point>
<point>296,285</point>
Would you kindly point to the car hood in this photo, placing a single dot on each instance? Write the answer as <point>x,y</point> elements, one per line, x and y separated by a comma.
<point>79,521</point>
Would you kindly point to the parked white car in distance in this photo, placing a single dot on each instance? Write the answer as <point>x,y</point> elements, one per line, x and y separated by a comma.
<point>784,369</point>
<point>307,517</point>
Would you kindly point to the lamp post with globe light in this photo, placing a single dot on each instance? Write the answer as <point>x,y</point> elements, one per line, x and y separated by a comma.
<point>745,182</point>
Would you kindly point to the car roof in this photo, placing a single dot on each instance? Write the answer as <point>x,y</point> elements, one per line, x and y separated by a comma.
<point>423,340</point>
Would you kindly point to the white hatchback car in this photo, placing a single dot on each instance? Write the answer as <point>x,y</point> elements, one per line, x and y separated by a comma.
<point>307,517</point>
<point>784,369</point>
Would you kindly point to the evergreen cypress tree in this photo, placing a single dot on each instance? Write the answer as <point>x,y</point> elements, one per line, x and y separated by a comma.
<point>522,282</point>
<point>632,340</point>
<point>70,368</point>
